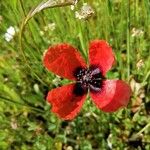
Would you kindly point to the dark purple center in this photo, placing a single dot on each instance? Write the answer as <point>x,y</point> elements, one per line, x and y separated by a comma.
<point>88,78</point>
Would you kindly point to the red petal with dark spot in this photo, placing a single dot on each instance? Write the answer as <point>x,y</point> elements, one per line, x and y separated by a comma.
<point>114,95</point>
<point>101,54</point>
<point>63,59</point>
<point>64,102</point>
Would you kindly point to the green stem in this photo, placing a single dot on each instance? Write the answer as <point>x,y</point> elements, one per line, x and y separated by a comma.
<point>21,104</point>
<point>146,77</point>
<point>128,40</point>
<point>23,9</point>
<point>43,5</point>
<point>134,137</point>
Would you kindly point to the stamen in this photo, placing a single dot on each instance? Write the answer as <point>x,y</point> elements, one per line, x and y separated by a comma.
<point>88,78</point>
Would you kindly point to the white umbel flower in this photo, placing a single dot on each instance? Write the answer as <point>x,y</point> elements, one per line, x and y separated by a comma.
<point>9,34</point>
<point>50,26</point>
<point>137,32</point>
<point>85,12</point>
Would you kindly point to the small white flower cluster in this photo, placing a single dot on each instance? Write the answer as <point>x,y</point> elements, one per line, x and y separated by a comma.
<point>140,64</point>
<point>13,124</point>
<point>9,34</point>
<point>72,6</point>
<point>50,26</point>
<point>85,12</point>
<point>57,80</point>
<point>136,32</point>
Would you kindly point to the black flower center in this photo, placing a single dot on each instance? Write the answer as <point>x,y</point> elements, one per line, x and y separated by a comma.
<point>88,78</point>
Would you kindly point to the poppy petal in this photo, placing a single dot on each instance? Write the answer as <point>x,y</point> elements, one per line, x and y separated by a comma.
<point>63,59</point>
<point>113,95</point>
<point>64,102</point>
<point>101,54</point>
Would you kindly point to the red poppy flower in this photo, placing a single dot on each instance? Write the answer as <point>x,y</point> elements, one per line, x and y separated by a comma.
<point>65,61</point>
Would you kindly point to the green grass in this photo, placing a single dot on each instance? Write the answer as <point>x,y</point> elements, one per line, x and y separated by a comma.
<point>26,120</point>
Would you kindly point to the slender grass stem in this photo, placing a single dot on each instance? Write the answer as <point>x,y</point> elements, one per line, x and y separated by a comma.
<point>23,9</point>
<point>81,38</point>
<point>134,137</point>
<point>43,5</point>
<point>21,104</point>
<point>128,40</point>
<point>146,77</point>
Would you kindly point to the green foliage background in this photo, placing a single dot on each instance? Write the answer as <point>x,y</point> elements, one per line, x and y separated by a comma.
<point>25,118</point>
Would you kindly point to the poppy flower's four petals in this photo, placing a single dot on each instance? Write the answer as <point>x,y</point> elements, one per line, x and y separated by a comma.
<point>62,60</point>
<point>114,95</point>
<point>64,102</point>
<point>101,54</point>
